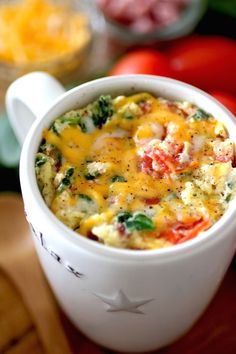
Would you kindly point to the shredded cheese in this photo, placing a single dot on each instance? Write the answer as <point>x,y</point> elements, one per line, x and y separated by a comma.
<point>40,30</point>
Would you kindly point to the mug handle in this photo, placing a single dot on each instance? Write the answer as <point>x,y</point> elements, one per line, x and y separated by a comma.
<point>27,98</point>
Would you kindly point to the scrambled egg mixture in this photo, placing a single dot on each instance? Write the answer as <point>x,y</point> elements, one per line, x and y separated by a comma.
<point>137,172</point>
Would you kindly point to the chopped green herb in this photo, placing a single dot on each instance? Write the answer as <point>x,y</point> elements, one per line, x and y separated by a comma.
<point>83,127</point>
<point>118,179</point>
<point>137,221</point>
<point>200,114</point>
<point>51,151</point>
<point>71,118</point>
<point>69,172</point>
<point>128,115</point>
<point>101,110</point>
<point>171,196</point>
<point>85,197</point>
<point>66,180</point>
<point>40,160</point>
<point>89,177</point>
<point>86,204</point>
<point>54,127</point>
<point>230,185</point>
<point>228,198</point>
<point>57,127</point>
<point>93,176</point>
<point>90,174</point>
<point>122,217</point>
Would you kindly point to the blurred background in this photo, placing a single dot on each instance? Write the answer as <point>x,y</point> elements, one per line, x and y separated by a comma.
<point>80,40</point>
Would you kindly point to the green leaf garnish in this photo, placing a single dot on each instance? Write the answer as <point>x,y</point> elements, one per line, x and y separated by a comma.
<point>51,151</point>
<point>128,116</point>
<point>136,222</point>
<point>118,179</point>
<point>200,114</point>
<point>90,177</point>
<point>71,118</point>
<point>85,197</point>
<point>83,126</point>
<point>40,160</point>
<point>124,216</point>
<point>230,185</point>
<point>101,110</point>
<point>140,222</point>
<point>66,180</point>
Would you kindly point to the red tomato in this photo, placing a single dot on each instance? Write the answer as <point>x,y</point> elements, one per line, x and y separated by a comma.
<point>205,61</point>
<point>182,232</point>
<point>157,162</point>
<point>143,61</point>
<point>229,101</point>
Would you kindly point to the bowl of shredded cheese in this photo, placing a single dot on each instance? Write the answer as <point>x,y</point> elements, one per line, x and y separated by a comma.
<point>46,35</point>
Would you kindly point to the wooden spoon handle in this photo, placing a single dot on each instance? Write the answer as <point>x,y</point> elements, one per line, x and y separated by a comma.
<point>29,280</point>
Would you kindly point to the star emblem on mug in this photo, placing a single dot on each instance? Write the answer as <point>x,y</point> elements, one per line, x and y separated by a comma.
<point>121,302</point>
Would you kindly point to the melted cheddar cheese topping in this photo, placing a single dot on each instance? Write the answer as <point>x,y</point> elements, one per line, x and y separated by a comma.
<point>137,172</point>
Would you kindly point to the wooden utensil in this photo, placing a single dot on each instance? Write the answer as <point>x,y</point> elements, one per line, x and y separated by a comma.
<point>18,259</point>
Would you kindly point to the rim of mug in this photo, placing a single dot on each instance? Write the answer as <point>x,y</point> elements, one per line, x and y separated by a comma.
<point>29,182</point>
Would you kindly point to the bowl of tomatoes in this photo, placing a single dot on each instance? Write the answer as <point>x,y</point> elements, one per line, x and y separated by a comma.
<point>198,60</point>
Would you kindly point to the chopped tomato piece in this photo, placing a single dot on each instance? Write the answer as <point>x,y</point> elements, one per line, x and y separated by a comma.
<point>146,163</point>
<point>152,201</point>
<point>154,165</point>
<point>121,228</point>
<point>182,232</point>
<point>157,162</point>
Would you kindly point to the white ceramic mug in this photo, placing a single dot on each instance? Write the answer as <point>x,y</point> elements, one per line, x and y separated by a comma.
<point>125,300</point>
